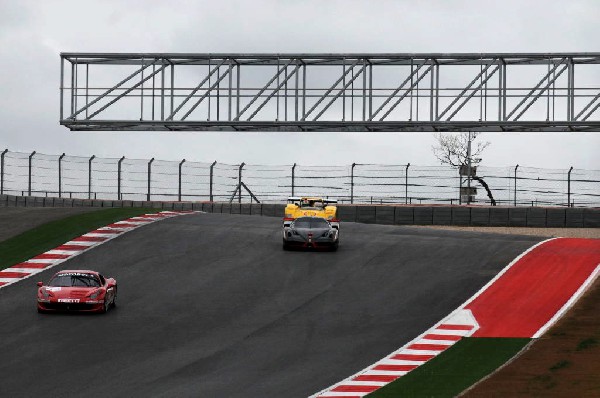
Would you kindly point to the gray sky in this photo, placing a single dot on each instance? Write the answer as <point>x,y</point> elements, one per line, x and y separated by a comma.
<point>33,33</point>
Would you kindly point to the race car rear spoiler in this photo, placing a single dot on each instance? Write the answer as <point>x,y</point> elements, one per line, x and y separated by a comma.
<point>297,199</point>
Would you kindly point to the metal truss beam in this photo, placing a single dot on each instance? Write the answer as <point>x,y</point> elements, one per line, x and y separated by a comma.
<point>331,92</point>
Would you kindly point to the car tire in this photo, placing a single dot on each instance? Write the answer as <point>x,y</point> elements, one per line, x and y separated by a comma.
<point>334,247</point>
<point>114,301</point>
<point>285,246</point>
<point>104,308</point>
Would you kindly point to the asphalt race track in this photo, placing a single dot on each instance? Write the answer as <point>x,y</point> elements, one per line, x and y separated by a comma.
<point>209,305</point>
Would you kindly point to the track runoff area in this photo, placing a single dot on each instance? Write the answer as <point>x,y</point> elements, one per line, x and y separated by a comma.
<point>209,305</point>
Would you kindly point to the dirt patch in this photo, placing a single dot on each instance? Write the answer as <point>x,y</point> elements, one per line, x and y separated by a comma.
<point>562,363</point>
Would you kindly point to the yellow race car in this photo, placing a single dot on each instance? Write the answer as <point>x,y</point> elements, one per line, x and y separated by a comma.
<point>311,207</point>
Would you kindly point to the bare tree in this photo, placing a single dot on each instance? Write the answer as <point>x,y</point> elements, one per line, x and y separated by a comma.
<point>453,149</point>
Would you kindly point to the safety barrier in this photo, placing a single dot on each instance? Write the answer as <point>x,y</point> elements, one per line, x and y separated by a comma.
<point>495,216</point>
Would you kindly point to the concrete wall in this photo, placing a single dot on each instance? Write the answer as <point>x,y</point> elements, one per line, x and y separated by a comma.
<point>385,214</point>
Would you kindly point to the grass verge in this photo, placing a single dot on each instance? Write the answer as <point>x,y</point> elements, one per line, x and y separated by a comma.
<point>455,370</point>
<point>50,235</point>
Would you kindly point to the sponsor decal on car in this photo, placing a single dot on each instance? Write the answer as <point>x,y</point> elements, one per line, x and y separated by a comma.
<point>75,274</point>
<point>53,289</point>
<point>68,300</point>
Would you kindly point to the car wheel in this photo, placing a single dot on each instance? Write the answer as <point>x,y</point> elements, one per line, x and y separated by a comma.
<point>334,247</point>
<point>114,301</point>
<point>285,246</point>
<point>104,307</point>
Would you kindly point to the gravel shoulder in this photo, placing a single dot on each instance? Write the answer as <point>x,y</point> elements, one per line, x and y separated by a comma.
<point>16,220</point>
<point>588,233</point>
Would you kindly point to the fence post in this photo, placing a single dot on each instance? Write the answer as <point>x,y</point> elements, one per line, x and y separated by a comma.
<point>293,177</point>
<point>90,176</point>
<point>60,158</point>
<point>29,185</point>
<point>406,184</point>
<point>515,193</point>
<point>179,192</point>
<point>569,187</point>
<point>2,171</point>
<point>149,178</point>
<point>459,186</point>
<point>119,178</point>
<point>240,182</point>
<point>212,166</point>
<point>469,160</point>
<point>352,183</point>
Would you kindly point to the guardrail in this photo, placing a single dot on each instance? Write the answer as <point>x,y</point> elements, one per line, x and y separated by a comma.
<point>495,216</point>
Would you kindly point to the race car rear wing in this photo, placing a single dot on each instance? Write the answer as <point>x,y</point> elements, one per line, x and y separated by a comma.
<point>298,198</point>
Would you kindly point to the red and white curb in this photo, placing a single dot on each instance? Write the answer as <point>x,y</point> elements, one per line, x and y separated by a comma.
<point>79,245</point>
<point>434,341</point>
<point>544,285</point>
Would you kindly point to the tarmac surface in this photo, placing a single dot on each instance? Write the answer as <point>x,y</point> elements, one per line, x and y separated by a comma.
<point>209,305</point>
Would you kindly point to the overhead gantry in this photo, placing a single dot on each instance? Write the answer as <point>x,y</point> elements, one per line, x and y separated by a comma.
<point>330,92</point>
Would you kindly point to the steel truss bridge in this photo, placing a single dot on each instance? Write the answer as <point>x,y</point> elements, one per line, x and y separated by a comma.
<point>330,92</point>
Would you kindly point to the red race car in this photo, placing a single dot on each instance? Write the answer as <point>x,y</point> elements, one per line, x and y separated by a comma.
<point>77,290</point>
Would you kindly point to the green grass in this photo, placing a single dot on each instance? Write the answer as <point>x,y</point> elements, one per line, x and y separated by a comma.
<point>560,365</point>
<point>587,343</point>
<point>50,235</point>
<point>455,370</point>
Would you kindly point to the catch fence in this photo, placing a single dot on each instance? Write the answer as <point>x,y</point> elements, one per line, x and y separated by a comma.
<point>36,174</point>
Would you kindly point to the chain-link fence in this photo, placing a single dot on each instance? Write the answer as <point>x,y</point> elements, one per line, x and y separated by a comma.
<point>36,174</point>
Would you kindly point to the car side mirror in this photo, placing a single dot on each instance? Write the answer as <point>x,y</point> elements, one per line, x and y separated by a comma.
<point>40,284</point>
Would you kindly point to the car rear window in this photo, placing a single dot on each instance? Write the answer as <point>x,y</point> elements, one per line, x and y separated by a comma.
<point>302,223</point>
<point>74,279</point>
<point>319,223</point>
<point>311,223</point>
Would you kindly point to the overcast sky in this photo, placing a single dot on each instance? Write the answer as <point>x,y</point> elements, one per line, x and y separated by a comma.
<point>33,33</point>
